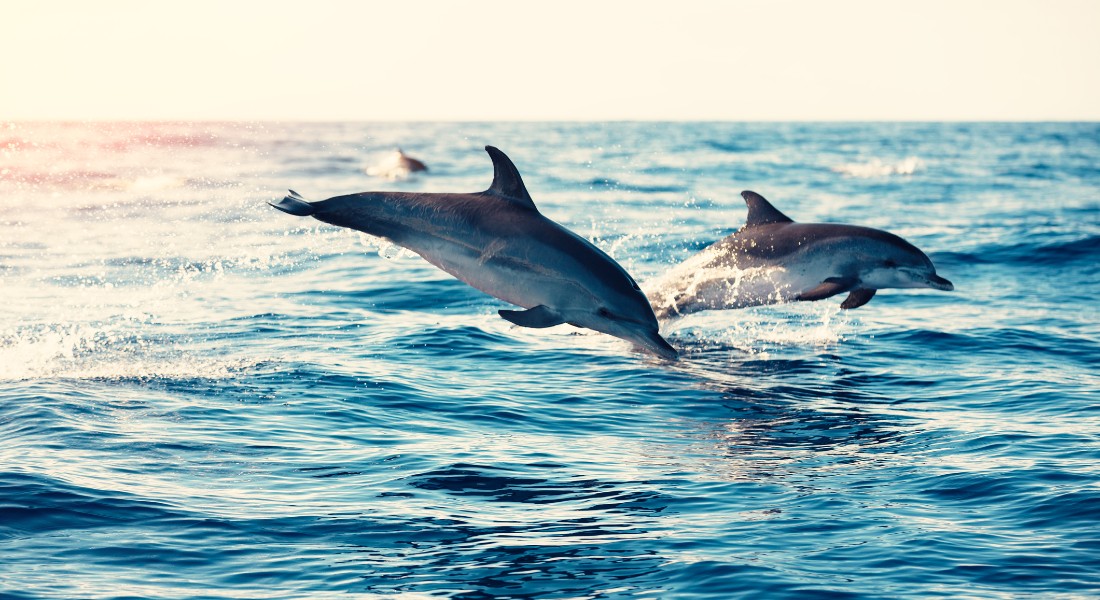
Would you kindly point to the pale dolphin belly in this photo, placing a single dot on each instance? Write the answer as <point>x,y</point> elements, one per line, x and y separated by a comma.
<point>497,272</point>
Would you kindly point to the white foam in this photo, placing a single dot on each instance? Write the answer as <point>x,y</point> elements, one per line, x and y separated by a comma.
<point>762,330</point>
<point>385,248</point>
<point>878,168</point>
<point>106,351</point>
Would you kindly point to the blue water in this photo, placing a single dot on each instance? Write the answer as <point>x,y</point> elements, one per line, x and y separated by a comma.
<point>203,397</point>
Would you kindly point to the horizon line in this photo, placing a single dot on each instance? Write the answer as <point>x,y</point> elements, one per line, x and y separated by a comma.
<point>536,120</point>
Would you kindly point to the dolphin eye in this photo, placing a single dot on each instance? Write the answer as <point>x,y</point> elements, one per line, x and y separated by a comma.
<point>603,312</point>
<point>890,264</point>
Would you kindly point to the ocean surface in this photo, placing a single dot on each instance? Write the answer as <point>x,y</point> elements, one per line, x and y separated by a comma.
<point>202,397</point>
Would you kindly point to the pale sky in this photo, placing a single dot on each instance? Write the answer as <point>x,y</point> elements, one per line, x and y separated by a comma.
<point>560,60</point>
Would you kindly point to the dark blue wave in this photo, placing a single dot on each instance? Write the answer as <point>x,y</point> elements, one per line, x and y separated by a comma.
<point>732,146</point>
<point>1053,254</point>
<point>498,484</point>
<point>1021,344</point>
<point>201,397</point>
<point>33,504</point>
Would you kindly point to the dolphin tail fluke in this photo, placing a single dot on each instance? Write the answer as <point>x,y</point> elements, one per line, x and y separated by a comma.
<point>295,204</point>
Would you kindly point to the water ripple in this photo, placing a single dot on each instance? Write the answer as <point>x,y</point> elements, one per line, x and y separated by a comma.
<point>204,398</point>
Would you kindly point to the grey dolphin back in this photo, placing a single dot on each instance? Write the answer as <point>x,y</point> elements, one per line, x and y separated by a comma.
<point>507,183</point>
<point>412,163</point>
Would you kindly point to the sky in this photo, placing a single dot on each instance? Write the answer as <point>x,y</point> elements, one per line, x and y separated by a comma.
<point>562,60</point>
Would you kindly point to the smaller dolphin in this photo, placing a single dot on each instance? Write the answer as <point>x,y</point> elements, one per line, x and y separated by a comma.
<point>772,259</point>
<point>499,243</point>
<point>397,165</point>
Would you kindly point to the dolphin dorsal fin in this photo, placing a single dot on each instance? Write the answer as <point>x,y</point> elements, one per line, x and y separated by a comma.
<point>506,180</point>
<point>761,212</point>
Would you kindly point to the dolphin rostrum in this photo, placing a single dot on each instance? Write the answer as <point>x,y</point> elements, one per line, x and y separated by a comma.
<point>499,243</point>
<point>772,259</point>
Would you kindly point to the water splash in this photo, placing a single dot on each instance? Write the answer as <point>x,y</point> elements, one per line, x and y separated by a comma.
<point>762,331</point>
<point>385,248</point>
<point>122,349</point>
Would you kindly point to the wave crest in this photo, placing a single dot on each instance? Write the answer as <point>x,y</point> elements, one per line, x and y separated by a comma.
<point>878,168</point>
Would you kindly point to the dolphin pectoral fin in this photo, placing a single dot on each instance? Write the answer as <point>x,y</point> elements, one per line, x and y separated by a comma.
<point>828,288</point>
<point>858,298</point>
<point>537,317</point>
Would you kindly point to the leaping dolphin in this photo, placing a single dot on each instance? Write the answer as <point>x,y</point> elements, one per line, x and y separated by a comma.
<point>772,259</point>
<point>499,243</point>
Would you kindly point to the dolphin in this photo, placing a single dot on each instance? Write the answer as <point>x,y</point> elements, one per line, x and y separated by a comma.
<point>499,243</point>
<point>397,165</point>
<point>772,259</point>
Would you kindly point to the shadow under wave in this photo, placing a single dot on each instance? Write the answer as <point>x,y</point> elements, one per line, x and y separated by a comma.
<point>32,504</point>
<point>1056,254</point>
<point>587,534</point>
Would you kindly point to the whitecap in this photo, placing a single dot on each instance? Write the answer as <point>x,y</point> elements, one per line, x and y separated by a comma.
<point>876,167</point>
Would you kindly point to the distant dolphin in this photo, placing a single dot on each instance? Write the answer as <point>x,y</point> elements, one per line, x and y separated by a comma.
<point>772,259</point>
<point>397,165</point>
<point>499,243</point>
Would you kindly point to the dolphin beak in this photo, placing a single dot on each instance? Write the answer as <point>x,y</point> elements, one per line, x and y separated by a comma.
<point>652,342</point>
<point>644,336</point>
<point>939,283</point>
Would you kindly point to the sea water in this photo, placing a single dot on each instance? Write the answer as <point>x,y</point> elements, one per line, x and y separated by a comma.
<point>201,396</point>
